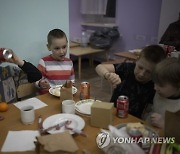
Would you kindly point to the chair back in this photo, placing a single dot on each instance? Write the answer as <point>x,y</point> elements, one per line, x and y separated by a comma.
<point>25,90</point>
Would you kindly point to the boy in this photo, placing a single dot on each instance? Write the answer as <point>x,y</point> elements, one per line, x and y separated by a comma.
<point>134,79</point>
<point>55,68</point>
<point>167,85</point>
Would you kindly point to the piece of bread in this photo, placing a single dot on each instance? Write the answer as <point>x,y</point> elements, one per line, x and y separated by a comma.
<point>68,84</point>
<point>140,127</point>
<point>56,92</point>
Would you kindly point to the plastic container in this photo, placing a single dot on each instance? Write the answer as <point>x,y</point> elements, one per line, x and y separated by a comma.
<point>84,39</point>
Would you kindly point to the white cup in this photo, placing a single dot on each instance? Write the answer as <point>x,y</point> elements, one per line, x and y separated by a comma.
<point>68,106</point>
<point>27,115</point>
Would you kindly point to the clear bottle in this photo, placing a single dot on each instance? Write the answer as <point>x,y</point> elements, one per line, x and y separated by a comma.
<point>84,39</point>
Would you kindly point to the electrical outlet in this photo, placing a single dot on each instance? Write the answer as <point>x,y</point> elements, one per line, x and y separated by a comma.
<point>140,37</point>
<point>154,39</point>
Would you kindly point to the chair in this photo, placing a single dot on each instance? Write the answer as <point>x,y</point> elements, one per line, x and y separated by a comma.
<point>26,90</point>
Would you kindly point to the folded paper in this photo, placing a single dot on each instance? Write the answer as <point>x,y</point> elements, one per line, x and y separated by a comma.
<point>20,141</point>
<point>62,142</point>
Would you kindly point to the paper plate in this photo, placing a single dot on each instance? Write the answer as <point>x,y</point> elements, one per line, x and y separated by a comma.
<point>76,122</point>
<point>55,91</point>
<point>152,132</point>
<point>84,106</point>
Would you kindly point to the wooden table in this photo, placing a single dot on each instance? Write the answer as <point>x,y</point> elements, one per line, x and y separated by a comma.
<point>82,51</point>
<point>128,55</point>
<point>73,44</point>
<point>12,123</point>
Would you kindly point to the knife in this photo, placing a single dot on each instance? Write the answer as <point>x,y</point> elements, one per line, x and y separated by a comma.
<point>40,127</point>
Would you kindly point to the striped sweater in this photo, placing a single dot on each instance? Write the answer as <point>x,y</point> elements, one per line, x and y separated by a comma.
<point>56,72</point>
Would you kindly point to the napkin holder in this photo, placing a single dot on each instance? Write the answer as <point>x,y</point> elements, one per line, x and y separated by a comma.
<point>66,91</point>
<point>66,94</point>
<point>101,114</point>
<point>172,125</point>
<point>56,143</point>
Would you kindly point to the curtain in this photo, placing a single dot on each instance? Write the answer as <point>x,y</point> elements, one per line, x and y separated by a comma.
<point>97,7</point>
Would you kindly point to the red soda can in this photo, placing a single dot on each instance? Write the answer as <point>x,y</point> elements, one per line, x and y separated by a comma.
<point>85,90</point>
<point>5,54</point>
<point>165,47</point>
<point>122,106</point>
<point>170,49</point>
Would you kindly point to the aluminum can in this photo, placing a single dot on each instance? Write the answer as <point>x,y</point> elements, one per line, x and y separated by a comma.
<point>170,49</point>
<point>122,106</point>
<point>84,90</point>
<point>5,54</point>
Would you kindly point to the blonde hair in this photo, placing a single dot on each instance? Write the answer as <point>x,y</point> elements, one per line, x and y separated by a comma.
<point>167,71</point>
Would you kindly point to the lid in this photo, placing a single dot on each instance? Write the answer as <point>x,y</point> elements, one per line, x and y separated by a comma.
<point>7,53</point>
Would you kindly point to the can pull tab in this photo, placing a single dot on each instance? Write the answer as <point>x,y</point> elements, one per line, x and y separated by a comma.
<point>7,53</point>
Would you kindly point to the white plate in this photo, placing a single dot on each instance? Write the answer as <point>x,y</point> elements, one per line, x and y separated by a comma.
<point>84,106</point>
<point>55,91</point>
<point>152,132</point>
<point>76,122</point>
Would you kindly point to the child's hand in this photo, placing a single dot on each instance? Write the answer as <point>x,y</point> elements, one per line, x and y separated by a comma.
<point>157,120</point>
<point>113,78</point>
<point>16,60</point>
<point>44,84</point>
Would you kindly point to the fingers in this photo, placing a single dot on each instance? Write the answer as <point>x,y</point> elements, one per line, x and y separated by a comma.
<point>114,79</point>
<point>156,119</point>
<point>44,84</point>
<point>155,116</point>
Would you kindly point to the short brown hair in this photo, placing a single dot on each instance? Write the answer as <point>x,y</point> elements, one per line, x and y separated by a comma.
<point>153,53</point>
<point>55,33</point>
<point>167,71</point>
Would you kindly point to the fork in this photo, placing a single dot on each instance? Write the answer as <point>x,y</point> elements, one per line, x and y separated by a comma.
<point>75,130</point>
<point>57,126</point>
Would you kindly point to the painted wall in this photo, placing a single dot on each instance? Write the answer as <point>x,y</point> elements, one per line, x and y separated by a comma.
<point>167,17</point>
<point>138,22</point>
<point>75,19</point>
<point>25,25</point>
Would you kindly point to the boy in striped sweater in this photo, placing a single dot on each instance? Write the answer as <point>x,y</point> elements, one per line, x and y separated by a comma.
<point>56,69</point>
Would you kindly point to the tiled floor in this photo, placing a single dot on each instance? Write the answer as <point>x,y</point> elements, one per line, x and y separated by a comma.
<point>89,74</point>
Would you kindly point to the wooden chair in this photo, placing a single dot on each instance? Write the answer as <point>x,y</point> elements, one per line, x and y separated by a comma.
<point>26,90</point>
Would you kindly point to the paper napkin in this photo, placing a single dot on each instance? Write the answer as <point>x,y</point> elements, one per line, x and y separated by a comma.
<point>36,103</point>
<point>20,141</point>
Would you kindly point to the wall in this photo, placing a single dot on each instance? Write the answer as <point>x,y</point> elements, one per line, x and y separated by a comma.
<point>75,19</point>
<point>25,25</point>
<point>138,22</point>
<point>167,17</point>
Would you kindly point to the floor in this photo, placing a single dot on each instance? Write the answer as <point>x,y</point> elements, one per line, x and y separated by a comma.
<point>99,89</point>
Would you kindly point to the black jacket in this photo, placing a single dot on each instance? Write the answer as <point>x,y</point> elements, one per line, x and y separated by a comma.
<point>33,74</point>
